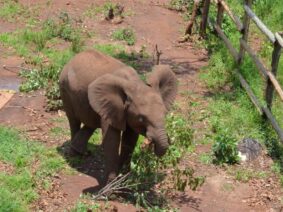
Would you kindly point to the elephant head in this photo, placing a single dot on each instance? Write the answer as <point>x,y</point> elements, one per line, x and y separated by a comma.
<point>126,101</point>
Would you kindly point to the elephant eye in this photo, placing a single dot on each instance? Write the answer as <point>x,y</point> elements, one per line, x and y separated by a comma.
<point>141,119</point>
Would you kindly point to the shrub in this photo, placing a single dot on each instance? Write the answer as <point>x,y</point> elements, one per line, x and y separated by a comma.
<point>225,149</point>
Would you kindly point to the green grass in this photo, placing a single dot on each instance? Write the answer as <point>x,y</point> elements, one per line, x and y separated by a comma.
<point>125,34</point>
<point>82,207</point>
<point>32,165</point>
<point>245,174</point>
<point>110,49</point>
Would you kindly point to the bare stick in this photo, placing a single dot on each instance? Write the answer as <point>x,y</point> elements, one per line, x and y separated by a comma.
<point>158,54</point>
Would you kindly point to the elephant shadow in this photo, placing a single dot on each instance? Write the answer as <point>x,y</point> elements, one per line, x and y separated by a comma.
<point>91,163</point>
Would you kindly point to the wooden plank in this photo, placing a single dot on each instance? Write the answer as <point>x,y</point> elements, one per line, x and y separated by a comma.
<point>275,84</point>
<point>192,20</point>
<point>265,73</point>
<point>220,10</point>
<point>262,110</point>
<point>205,12</point>
<point>279,39</point>
<point>256,60</point>
<point>274,66</point>
<point>5,96</point>
<point>245,32</point>
<point>234,18</point>
<point>229,45</point>
<point>249,91</point>
<point>274,123</point>
<point>260,24</point>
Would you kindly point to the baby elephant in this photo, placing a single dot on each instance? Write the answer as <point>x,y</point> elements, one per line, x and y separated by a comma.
<point>99,91</point>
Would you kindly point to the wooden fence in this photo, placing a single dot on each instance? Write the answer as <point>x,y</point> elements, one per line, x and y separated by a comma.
<point>269,75</point>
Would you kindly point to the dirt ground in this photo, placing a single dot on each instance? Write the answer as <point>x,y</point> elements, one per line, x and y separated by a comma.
<point>153,24</point>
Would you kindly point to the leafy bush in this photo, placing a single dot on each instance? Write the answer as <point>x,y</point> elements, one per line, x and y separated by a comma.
<point>54,101</point>
<point>225,149</point>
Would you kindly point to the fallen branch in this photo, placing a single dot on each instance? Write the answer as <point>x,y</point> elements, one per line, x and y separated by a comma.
<point>191,22</point>
<point>15,67</point>
<point>113,187</point>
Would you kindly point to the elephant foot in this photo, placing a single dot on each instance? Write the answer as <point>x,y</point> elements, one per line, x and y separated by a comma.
<point>125,167</point>
<point>75,153</point>
<point>71,152</point>
<point>108,179</point>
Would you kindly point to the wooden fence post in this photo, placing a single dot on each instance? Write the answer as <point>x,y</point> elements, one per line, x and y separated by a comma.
<point>245,32</point>
<point>274,66</point>
<point>220,10</point>
<point>205,12</point>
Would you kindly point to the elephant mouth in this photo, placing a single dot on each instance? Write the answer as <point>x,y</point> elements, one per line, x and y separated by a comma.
<point>159,142</point>
<point>159,151</point>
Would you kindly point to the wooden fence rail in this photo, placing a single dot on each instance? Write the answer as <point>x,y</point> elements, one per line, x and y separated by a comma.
<point>268,75</point>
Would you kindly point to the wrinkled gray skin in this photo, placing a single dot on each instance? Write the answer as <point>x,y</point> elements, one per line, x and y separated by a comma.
<point>101,92</point>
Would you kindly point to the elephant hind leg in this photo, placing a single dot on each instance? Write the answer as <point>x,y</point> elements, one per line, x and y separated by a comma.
<point>80,140</point>
<point>75,125</point>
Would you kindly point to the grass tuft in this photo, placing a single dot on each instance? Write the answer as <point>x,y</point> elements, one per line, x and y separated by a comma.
<point>125,34</point>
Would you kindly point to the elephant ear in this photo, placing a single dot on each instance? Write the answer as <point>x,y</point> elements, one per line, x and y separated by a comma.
<point>164,80</point>
<point>107,96</point>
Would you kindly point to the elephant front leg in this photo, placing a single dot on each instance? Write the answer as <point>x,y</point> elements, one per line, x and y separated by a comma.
<point>111,143</point>
<point>80,140</point>
<point>129,140</point>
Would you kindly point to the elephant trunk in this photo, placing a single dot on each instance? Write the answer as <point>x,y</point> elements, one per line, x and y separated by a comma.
<point>161,143</point>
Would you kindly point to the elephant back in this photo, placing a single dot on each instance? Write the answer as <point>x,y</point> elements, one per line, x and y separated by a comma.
<point>88,66</point>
